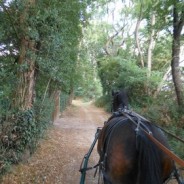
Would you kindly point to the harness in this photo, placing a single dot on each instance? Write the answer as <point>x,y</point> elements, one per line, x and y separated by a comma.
<point>139,122</point>
<point>84,163</point>
<point>127,115</point>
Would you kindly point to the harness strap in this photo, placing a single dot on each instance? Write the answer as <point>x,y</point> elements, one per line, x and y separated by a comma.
<point>89,168</point>
<point>83,167</point>
<point>161,146</point>
<point>169,133</point>
<point>139,124</point>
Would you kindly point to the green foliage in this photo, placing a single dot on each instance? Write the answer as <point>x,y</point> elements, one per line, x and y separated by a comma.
<point>89,89</point>
<point>105,102</point>
<point>116,73</point>
<point>86,83</point>
<point>109,72</point>
<point>162,53</point>
<point>59,30</point>
<point>176,145</point>
<point>87,78</point>
<point>69,55</point>
<point>56,29</point>
<point>21,131</point>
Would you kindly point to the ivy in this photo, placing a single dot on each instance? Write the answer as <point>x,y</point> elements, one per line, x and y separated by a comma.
<point>21,132</point>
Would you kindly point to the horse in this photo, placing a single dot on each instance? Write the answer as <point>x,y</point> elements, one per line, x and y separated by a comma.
<point>127,155</point>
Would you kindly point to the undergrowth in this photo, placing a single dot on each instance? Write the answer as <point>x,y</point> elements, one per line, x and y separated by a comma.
<point>20,133</point>
<point>105,102</point>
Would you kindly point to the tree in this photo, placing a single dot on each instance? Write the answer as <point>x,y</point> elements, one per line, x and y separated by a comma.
<point>178,22</point>
<point>44,39</point>
<point>39,45</point>
<point>139,19</point>
<point>25,91</point>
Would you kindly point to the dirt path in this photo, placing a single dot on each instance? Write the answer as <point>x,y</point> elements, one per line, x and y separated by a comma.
<point>59,156</point>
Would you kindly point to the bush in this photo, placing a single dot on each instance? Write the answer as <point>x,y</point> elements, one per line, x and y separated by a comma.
<point>20,133</point>
<point>117,73</point>
<point>175,144</point>
<point>105,102</point>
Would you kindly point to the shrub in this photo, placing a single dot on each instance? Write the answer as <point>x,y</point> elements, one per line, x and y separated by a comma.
<point>20,133</point>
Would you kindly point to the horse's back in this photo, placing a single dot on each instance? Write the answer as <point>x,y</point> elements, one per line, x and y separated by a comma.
<point>118,146</point>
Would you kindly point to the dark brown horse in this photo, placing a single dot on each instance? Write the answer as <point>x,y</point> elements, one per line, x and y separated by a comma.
<point>127,155</point>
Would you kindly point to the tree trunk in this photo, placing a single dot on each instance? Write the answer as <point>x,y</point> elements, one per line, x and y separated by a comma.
<point>137,37</point>
<point>150,50</point>
<point>56,112</point>
<point>25,92</point>
<point>71,96</point>
<point>178,23</point>
<point>151,44</point>
<point>71,92</point>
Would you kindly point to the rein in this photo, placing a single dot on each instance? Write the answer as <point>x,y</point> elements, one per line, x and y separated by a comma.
<point>166,150</point>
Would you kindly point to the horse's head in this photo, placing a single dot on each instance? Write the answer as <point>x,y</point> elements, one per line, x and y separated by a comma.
<point>119,100</point>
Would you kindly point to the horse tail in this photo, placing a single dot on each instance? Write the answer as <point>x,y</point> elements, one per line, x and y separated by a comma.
<point>149,161</point>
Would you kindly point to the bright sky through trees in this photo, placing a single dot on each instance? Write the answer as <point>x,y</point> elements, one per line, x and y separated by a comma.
<point>113,16</point>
